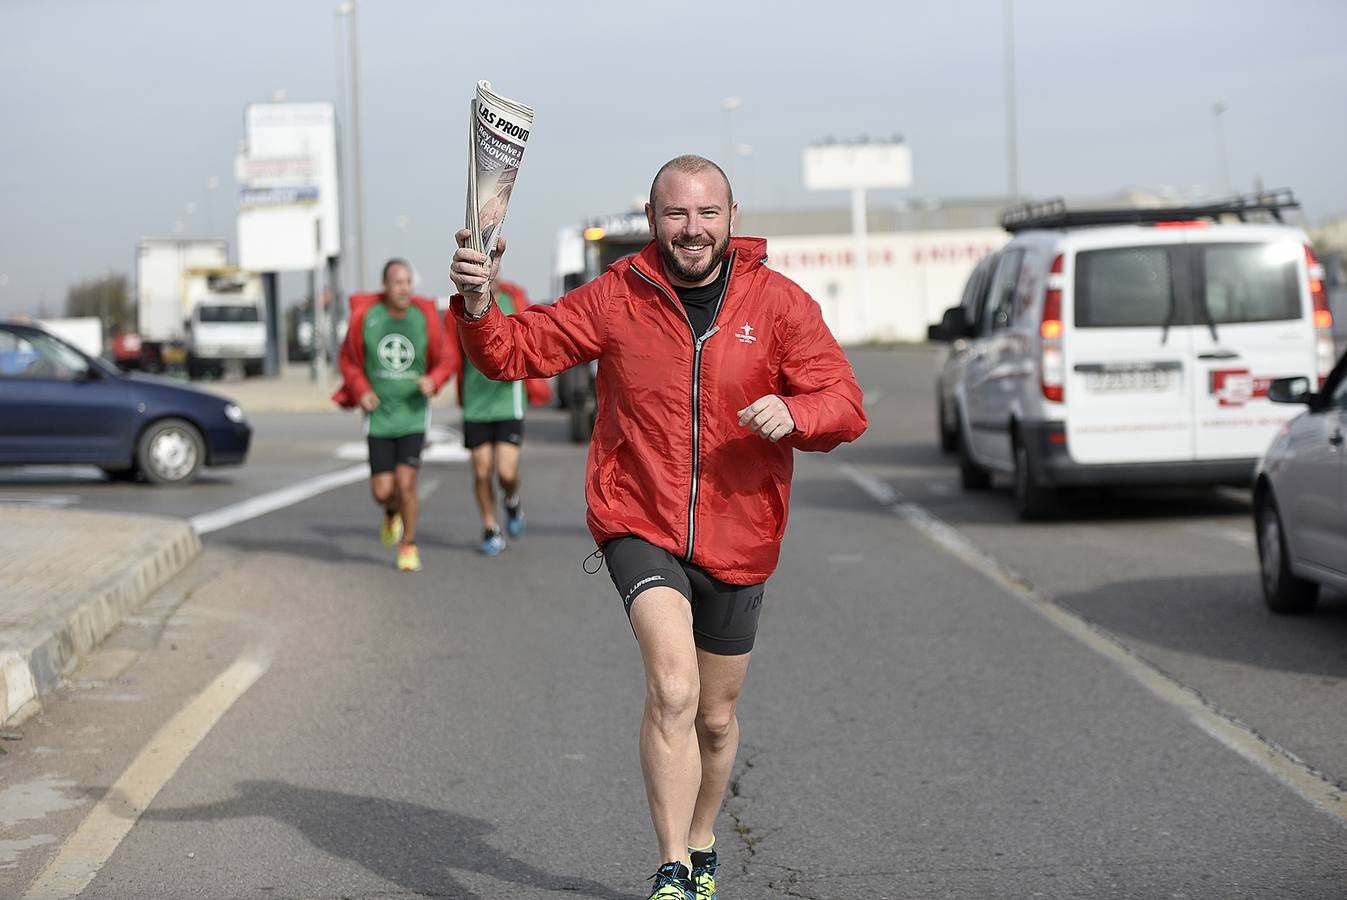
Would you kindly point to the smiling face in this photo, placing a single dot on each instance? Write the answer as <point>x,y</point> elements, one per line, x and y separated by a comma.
<point>691,218</point>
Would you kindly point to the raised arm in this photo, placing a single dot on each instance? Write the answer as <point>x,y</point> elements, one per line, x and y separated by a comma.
<point>538,342</point>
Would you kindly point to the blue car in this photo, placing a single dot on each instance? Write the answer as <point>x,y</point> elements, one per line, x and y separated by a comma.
<point>58,405</point>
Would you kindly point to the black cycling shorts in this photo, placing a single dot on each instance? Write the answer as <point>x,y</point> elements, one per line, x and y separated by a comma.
<point>385,454</point>
<point>505,431</point>
<point>724,616</point>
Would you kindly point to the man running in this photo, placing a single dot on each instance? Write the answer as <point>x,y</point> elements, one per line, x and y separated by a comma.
<point>493,430</point>
<point>393,361</point>
<point>712,371</point>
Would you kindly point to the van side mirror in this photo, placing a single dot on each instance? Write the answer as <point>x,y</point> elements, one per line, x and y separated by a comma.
<point>953,325</point>
<point>1290,390</point>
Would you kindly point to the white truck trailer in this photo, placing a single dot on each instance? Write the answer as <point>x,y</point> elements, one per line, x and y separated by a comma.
<point>162,307</point>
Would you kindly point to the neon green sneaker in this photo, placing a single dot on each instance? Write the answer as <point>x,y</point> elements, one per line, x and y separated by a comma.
<point>409,560</point>
<point>390,532</point>
<point>672,882</point>
<point>704,867</point>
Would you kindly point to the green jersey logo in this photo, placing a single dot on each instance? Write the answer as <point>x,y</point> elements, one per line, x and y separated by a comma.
<point>396,352</point>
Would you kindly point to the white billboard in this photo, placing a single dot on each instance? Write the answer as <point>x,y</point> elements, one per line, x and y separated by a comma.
<point>288,187</point>
<point>843,167</point>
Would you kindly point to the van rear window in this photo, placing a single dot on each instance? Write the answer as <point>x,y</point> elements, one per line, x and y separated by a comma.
<point>1126,287</point>
<point>1249,282</point>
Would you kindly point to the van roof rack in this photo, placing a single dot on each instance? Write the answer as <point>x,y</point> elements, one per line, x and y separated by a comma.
<point>1055,214</point>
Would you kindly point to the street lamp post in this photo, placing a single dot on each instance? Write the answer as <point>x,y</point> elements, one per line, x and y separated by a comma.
<point>1217,110</point>
<point>728,105</point>
<point>347,11</point>
<point>1012,126</point>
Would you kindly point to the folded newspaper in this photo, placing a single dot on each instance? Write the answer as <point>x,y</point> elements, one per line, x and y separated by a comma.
<point>498,129</point>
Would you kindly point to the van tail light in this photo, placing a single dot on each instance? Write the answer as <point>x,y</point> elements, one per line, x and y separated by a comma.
<point>1053,365</point>
<point>1323,316</point>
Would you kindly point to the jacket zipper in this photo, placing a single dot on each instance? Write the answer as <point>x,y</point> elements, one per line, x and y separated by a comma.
<point>697,344</point>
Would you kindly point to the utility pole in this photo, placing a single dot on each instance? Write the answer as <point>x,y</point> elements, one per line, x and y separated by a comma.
<point>1012,127</point>
<point>348,10</point>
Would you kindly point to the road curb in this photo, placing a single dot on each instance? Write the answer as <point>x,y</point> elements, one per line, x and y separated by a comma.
<point>42,658</point>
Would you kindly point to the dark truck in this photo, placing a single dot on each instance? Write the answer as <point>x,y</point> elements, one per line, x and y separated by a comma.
<point>583,254</point>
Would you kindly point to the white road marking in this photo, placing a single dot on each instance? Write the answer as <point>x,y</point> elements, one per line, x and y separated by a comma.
<point>1283,765</point>
<point>44,501</point>
<point>266,503</point>
<point>435,453</point>
<point>112,818</point>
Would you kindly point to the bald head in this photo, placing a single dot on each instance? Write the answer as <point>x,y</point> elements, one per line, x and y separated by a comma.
<point>690,164</point>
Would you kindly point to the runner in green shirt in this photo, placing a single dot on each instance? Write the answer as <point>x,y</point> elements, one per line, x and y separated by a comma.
<point>394,360</point>
<point>493,432</point>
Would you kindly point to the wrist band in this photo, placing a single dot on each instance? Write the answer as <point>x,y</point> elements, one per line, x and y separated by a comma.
<point>482,315</point>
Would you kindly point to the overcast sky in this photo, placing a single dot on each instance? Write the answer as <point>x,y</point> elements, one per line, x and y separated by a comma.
<point>116,114</point>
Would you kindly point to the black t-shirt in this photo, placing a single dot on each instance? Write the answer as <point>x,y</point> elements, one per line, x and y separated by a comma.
<point>700,302</point>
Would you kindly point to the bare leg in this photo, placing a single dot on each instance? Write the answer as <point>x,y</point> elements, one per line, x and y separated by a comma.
<point>481,484</point>
<point>670,762</point>
<point>722,677</point>
<point>507,468</point>
<point>408,503</point>
<point>383,489</point>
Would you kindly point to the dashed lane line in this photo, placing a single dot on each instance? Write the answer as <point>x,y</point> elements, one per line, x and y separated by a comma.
<point>1275,760</point>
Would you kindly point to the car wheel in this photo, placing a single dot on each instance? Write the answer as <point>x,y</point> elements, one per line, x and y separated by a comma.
<point>1032,500</point>
<point>972,477</point>
<point>1283,591</point>
<point>949,435</point>
<point>170,452</point>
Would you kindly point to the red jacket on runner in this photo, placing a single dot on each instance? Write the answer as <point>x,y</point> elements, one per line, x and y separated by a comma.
<point>669,461</point>
<point>440,359</point>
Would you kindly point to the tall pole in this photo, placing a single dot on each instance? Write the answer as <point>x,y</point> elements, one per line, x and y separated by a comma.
<point>729,105</point>
<point>360,283</point>
<point>1012,128</point>
<point>858,229</point>
<point>1217,110</point>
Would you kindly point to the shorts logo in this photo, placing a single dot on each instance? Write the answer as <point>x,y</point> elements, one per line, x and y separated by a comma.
<point>396,353</point>
<point>745,334</point>
<point>636,588</point>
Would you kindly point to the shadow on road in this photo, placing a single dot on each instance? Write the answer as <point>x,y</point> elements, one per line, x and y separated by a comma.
<point>413,846</point>
<point>1221,617</point>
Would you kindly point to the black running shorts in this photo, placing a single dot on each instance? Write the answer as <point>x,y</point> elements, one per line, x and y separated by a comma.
<point>385,454</point>
<point>724,616</point>
<point>506,431</point>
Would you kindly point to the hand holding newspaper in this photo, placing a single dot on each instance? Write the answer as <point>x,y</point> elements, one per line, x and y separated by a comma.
<point>498,130</point>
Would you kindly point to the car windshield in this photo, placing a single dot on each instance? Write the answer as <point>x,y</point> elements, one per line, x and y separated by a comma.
<point>1126,287</point>
<point>1249,282</point>
<point>230,313</point>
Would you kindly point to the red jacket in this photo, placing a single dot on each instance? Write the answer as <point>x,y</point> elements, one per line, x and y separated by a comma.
<point>440,360</point>
<point>539,393</point>
<point>668,461</point>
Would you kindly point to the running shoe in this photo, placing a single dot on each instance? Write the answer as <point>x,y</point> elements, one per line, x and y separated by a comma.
<point>672,882</point>
<point>390,532</point>
<point>514,519</point>
<point>409,560</point>
<point>704,867</point>
<point>492,542</point>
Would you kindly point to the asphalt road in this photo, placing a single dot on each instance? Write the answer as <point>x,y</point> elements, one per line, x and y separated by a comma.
<point>919,720</point>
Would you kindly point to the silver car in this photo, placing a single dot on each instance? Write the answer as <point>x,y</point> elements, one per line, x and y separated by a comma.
<point>1300,496</point>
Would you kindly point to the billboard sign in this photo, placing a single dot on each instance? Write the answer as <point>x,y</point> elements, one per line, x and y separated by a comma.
<point>844,167</point>
<point>288,187</point>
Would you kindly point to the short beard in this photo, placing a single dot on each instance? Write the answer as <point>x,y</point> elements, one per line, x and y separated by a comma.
<point>675,268</point>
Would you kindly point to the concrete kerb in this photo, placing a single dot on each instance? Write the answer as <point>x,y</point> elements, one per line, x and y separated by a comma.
<point>35,658</point>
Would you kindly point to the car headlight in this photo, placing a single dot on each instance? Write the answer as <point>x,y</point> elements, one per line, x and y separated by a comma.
<point>233,413</point>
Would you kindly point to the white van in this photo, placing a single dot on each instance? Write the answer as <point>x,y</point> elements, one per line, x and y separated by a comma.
<point>1136,346</point>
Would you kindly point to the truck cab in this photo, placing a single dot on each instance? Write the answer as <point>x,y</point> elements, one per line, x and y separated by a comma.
<point>227,330</point>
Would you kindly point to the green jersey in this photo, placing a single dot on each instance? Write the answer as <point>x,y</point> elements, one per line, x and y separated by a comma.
<point>395,357</point>
<point>485,400</point>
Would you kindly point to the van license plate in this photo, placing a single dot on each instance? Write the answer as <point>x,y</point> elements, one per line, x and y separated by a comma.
<point>1127,381</point>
